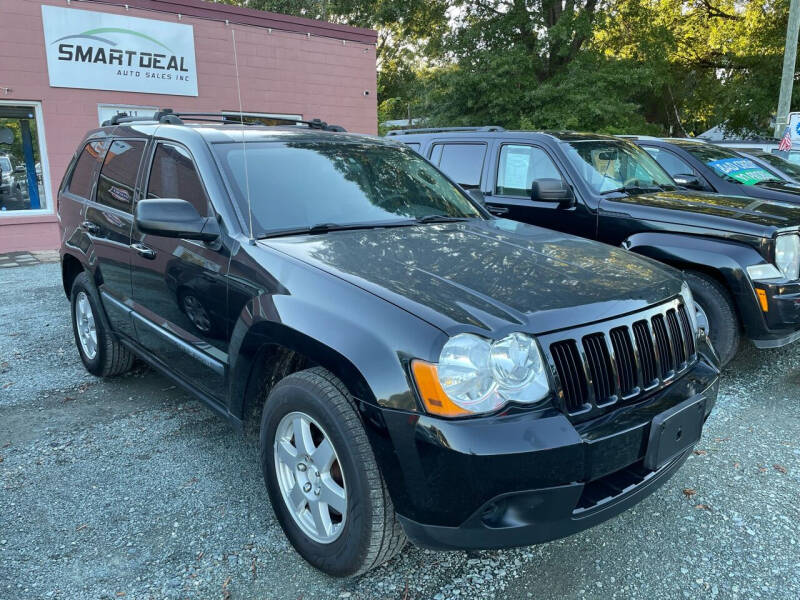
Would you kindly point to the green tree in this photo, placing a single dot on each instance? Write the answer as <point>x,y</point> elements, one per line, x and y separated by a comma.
<point>408,30</point>
<point>673,67</point>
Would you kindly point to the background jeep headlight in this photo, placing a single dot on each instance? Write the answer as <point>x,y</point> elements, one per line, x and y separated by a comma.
<point>787,255</point>
<point>688,300</point>
<point>475,375</point>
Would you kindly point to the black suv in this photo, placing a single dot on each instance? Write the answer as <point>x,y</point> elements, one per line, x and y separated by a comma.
<point>740,257</point>
<point>418,367</point>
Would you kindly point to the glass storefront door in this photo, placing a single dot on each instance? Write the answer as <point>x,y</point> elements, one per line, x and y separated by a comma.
<point>21,180</point>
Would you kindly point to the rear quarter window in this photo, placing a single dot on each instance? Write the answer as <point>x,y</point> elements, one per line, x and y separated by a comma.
<point>463,163</point>
<point>118,174</point>
<point>82,176</point>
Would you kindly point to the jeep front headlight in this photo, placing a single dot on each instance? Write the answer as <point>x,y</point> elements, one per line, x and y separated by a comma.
<point>787,255</point>
<point>475,375</point>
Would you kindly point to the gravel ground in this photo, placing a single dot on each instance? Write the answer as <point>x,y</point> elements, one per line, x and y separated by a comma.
<point>129,488</point>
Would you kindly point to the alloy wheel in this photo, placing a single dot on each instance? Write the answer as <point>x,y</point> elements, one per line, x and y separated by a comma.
<point>87,331</point>
<point>310,477</point>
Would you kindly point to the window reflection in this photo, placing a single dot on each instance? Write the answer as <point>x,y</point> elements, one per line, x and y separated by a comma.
<point>609,165</point>
<point>303,183</point>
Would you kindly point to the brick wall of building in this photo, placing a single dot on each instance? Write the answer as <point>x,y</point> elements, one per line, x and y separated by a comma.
<point>280,71</point>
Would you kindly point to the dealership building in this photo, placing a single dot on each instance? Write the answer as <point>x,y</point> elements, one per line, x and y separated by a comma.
<point>68,65</point>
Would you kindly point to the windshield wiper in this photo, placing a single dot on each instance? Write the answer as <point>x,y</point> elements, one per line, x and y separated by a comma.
<point>634,189</point>
<point>440,219</point>
<point>327,227</point>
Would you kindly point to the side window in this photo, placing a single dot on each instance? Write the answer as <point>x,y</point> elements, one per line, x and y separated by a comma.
<point>118,174</point>
<point>671,163</point>
<point>173,175</point>
<point>80,183</point>
<point>413,145</point>
<point>463,163</point>
<point>520,166</point>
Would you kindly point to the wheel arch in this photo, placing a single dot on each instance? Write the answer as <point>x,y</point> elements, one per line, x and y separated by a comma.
<point>270,351</point>
<point>71,267</point>
<point>723,260</point>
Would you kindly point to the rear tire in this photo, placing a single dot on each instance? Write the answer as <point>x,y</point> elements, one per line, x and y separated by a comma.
<point>367,532</point>
<point>101,352</point>
<point>724,329</point>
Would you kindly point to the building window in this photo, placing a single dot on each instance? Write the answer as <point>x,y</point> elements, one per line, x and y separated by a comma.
<point>22,180</point>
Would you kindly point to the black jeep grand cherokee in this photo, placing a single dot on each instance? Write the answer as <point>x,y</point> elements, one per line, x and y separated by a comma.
<point>421,368</point>
<point>740,256</point>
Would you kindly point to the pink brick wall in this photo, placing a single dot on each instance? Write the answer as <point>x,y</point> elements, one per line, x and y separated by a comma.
<point>280,72</point>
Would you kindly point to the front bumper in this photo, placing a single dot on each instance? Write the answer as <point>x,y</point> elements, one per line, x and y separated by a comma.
<point>537,516</point>
<point>782,317</point>
<point>523,478</point>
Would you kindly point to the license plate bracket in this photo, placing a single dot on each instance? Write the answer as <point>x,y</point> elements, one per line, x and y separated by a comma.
<point>674,431</point>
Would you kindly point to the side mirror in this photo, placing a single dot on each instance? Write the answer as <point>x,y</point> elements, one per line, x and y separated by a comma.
<point>551,190</point>
<point>688,181</point>
<point>174,218</point>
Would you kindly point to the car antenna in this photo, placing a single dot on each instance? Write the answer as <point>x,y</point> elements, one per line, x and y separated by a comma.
<point>244,144</point>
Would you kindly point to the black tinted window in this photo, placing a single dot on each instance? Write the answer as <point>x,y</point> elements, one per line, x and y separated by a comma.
<point>173,175</point>
<point>118,174</point>
<point>80,183</point>
<point>300,184</point>
<point>520,166</point>
<point>671,163</point>
<point>463,163</point>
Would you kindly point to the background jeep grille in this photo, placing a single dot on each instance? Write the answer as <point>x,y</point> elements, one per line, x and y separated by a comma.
<point>599,366</point>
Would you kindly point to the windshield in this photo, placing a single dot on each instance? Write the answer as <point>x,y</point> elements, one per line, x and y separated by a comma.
<point>611,166</point>
<point>784,165</point>
<point>299,185</point>
<point>5,165</point>
<point>729,165</point>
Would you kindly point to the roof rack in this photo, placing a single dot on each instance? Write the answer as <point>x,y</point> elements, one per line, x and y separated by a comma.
<point>444,129</point>
<point>169,116</point>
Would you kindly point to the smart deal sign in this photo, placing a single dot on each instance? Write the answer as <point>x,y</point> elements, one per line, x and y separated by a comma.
<point>101,51</point>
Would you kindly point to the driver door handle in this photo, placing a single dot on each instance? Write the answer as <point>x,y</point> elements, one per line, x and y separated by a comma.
<point>144,251</point>
<point>92,228</point>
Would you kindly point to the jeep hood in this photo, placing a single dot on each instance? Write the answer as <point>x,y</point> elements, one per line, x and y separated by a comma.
<point>489,275</point>
<point>736,214</point>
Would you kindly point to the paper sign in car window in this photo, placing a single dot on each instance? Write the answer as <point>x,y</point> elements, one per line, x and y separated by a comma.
<point>516,166</point>
<point>742,170</point>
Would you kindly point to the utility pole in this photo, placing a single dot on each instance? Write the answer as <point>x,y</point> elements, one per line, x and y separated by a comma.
<point>787,77</point>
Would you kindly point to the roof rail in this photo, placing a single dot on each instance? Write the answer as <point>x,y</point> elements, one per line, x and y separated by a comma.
<point>169,116</point>
<point>444,129</point>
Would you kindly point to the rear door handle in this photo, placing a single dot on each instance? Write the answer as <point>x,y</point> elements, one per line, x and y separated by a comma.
<point>144,251</point>
<point>92,228</point>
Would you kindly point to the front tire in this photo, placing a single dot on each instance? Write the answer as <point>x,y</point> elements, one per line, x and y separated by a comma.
<point>100,351</point>
<point>322,478</point>
<point>716,307</point>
